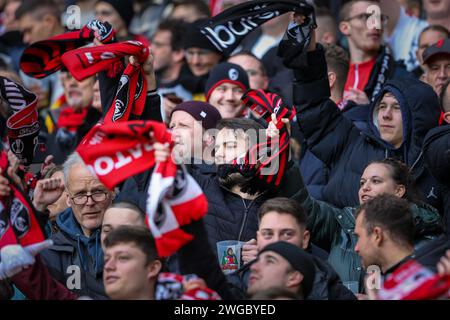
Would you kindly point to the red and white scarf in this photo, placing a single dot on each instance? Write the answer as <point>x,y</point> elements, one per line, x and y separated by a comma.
<point>116,151</point>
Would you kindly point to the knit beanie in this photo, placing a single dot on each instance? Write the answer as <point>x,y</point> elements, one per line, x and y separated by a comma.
<point>299,260</point>
<point>200,111</point>
<point>226,72</point>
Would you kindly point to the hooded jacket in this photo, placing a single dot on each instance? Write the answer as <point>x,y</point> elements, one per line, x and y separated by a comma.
<point>74,252</point>
<point>345,149</point>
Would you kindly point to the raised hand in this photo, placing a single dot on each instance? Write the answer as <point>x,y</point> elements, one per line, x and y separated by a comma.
<point>47,191</point>
<point>249,251</point>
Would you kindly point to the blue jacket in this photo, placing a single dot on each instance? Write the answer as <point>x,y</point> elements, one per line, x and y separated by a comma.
<point>72,248</point>
<point>346,150</point>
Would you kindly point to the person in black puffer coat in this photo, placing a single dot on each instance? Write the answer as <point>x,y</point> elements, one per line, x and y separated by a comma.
<point>346,150</point>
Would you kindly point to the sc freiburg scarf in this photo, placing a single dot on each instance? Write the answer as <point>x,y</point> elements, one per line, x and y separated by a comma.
<point>227,29</point>
<point>131,93</point>
<point>43,58</point>
<point>23,125</point>
<point>116,151</point>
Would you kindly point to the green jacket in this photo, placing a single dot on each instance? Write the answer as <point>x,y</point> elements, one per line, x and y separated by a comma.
<point>332,229</point>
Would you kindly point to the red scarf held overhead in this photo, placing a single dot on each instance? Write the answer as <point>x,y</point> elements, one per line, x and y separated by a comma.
<point>264,104</point>
<point>117,151</point>
<point>18,223</point>
<point>131,94</point>
<point>23,125</point>
<point>43,58</point>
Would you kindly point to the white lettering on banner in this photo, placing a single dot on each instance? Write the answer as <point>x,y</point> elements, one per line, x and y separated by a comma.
<point>104,165</point>
<point>89,57</point>
<point>122,160</point>
<point>13,91</point>
<point>224,36</point>
<point>97,138</point>
<point>107,55</point>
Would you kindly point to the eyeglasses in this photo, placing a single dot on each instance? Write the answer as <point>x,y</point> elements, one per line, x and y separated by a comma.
<point>366,16</point>
<point>98,196</point>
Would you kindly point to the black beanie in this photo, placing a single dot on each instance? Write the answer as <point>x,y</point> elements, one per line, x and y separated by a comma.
<point>124,8</point>
<point>226,72</point>
<point>200,111</point>
<point>195,38</point>
<point>299,259</point>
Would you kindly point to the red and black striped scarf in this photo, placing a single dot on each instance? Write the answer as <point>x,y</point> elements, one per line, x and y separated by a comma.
<point>269,153</point>
<point>43,58</point>
<point>18,222</point>
<point>23,125</point>
<point>131,93</point>
<point>117,151</point>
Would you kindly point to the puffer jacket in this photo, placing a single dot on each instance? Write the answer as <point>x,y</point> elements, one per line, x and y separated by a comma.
<point>333,229</point>
<point>345,149</point>
<point>229,217</point>
<point>436,148</point>
<point>73,251</point>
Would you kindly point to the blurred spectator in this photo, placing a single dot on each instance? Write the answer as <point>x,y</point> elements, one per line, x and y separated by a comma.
<point>254,67</point>
<point>436,59</point>
<point>437,12</point>
<point>147,15</point>
<point>201,56</point>
<point>403,31</point>
<point>172,73</point>
<point>74,118</point>
<point>429,36</point>
<point>119,14</point>
<point>326,27</point>
<point>367,54</point>
<point>39,20</point>
<point>190,10</point>
<point>413,8</point>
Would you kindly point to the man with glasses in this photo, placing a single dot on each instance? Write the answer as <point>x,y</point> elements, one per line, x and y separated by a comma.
<point>76,258</point>
<point>371,63</point>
